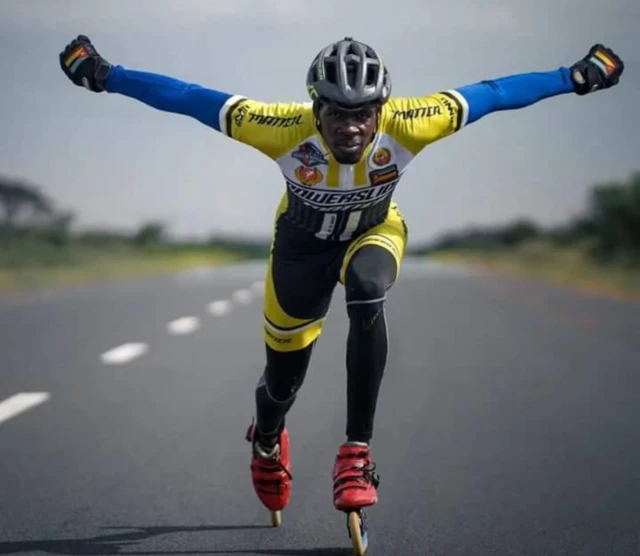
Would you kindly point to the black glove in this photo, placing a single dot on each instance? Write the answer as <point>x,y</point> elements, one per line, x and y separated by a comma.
<point>83,65</point>
<point>600,69</point>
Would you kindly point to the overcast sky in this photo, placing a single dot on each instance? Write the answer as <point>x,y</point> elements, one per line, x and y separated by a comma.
<point>117,162</point>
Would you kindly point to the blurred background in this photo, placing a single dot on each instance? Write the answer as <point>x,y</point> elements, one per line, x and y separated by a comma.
<point>101,185</point>
<point>508,418</point>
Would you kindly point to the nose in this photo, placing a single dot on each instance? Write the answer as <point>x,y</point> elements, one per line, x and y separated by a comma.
<point>349,127</point>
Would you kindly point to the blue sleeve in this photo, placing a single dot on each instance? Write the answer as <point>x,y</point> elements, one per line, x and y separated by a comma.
<point>169,94</point>
<point>515,91</point>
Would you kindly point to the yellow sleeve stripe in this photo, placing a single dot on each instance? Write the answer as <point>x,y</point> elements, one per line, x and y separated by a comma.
<point>226,111</point>
<point>463,107</point>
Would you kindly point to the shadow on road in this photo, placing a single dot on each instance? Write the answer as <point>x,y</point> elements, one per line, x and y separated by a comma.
<point>123,543</point>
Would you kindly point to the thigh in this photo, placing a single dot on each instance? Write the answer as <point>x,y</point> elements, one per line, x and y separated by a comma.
<point>298,292</point>
<point>391,235</point>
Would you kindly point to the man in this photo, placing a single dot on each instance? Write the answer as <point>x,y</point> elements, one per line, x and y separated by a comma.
<point>342,156</point>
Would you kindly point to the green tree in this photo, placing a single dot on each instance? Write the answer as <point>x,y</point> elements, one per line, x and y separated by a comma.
<point>614,210</point>
<point>150,233</point>
<point>19,198</point>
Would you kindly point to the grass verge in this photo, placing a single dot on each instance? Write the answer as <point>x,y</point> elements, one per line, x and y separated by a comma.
<point>563,266</point>
<point>94,265</point>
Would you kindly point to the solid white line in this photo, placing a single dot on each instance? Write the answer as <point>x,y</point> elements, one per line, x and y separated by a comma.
<point>124,353</point>
<point>242,296</point>
<point>21,402</point>
<point>184,325</point>
<point>219,308</point>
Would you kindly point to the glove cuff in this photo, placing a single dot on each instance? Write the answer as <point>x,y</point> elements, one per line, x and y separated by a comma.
<point>101,74</point>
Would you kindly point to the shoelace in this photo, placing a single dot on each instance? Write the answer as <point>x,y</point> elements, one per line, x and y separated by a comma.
<point>273,463</point>
<point>368,472</point>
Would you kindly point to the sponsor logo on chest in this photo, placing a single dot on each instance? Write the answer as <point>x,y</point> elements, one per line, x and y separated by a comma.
<point>332,200</point>
<point>307,182</point>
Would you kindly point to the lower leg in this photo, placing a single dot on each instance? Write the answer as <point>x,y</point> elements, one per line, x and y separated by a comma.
<point>366,359</point>
<point>370,274</point>
<point>277,389</point>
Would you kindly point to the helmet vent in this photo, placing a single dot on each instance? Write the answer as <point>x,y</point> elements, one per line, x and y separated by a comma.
<point>330,71</point>
<point>349,74</point>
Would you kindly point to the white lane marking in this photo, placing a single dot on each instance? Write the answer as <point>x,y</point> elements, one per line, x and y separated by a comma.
<point>242,296</point>
<point>258,288</point>
<point>20,403</point>
<point>124,353</point>
<point>219,308</point>
<point>184,325</point>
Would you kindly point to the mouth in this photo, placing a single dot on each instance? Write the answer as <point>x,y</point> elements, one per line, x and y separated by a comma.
<point>349,146</point>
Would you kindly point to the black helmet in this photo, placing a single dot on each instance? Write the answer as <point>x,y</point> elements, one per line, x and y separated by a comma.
<point>349,74</point>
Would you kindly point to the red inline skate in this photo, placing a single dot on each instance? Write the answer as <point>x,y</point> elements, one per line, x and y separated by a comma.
<point>355,484</point>
<point>271,473</point>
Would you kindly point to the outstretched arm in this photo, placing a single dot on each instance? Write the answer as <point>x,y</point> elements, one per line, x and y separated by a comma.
<point>599,69</point>
<point>85,67</point>
<point>268,127</point>
<point>169,94</point>
<point>513,92</point>
<point>419,121</point>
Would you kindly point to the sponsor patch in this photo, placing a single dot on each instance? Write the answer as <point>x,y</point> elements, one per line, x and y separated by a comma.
<point>309,155</point>
<point>381,157</point>
<point>308,176</point>
<point>384,175</point>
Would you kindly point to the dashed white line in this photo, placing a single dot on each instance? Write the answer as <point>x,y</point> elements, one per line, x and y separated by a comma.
<point>124,353</point>
<point>219,308</point>
<point>258,288</point>
<point>242,296</point>
<point>20,403</point>
<point>184,325</point>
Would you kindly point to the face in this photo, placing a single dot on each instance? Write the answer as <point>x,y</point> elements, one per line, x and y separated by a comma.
<point>348,132</point>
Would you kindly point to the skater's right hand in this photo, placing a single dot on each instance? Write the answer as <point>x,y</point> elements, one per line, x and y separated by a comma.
<point>82,64</point>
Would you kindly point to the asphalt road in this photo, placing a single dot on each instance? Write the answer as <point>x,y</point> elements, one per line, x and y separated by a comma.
<point>509,421</point>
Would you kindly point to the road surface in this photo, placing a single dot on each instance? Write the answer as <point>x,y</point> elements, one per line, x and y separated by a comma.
<point>509,421</point>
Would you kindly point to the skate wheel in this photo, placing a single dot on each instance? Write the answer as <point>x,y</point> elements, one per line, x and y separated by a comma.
<point>358,533</point>
<point>276,518</point>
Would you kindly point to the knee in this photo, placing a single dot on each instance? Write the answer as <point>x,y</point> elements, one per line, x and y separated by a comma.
<point>365,300</point>
<point>366,292</point>
<point>366,289</point>
<point>362,286</point>
<point>369,275</point>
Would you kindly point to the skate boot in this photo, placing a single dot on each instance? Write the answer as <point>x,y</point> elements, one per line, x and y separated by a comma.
<point>271,473</point>
<point>354,478</point>
<point>354,488</point>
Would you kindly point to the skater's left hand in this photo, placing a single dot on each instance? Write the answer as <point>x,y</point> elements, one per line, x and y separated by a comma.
<point>600,69</point>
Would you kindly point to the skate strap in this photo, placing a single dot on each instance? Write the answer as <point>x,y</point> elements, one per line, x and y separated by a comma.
<point>268,475</point>
<point>359,473</point>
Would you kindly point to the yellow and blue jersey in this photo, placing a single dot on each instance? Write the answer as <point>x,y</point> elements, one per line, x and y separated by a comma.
<point>336,201</point>
<point>332,200</point>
